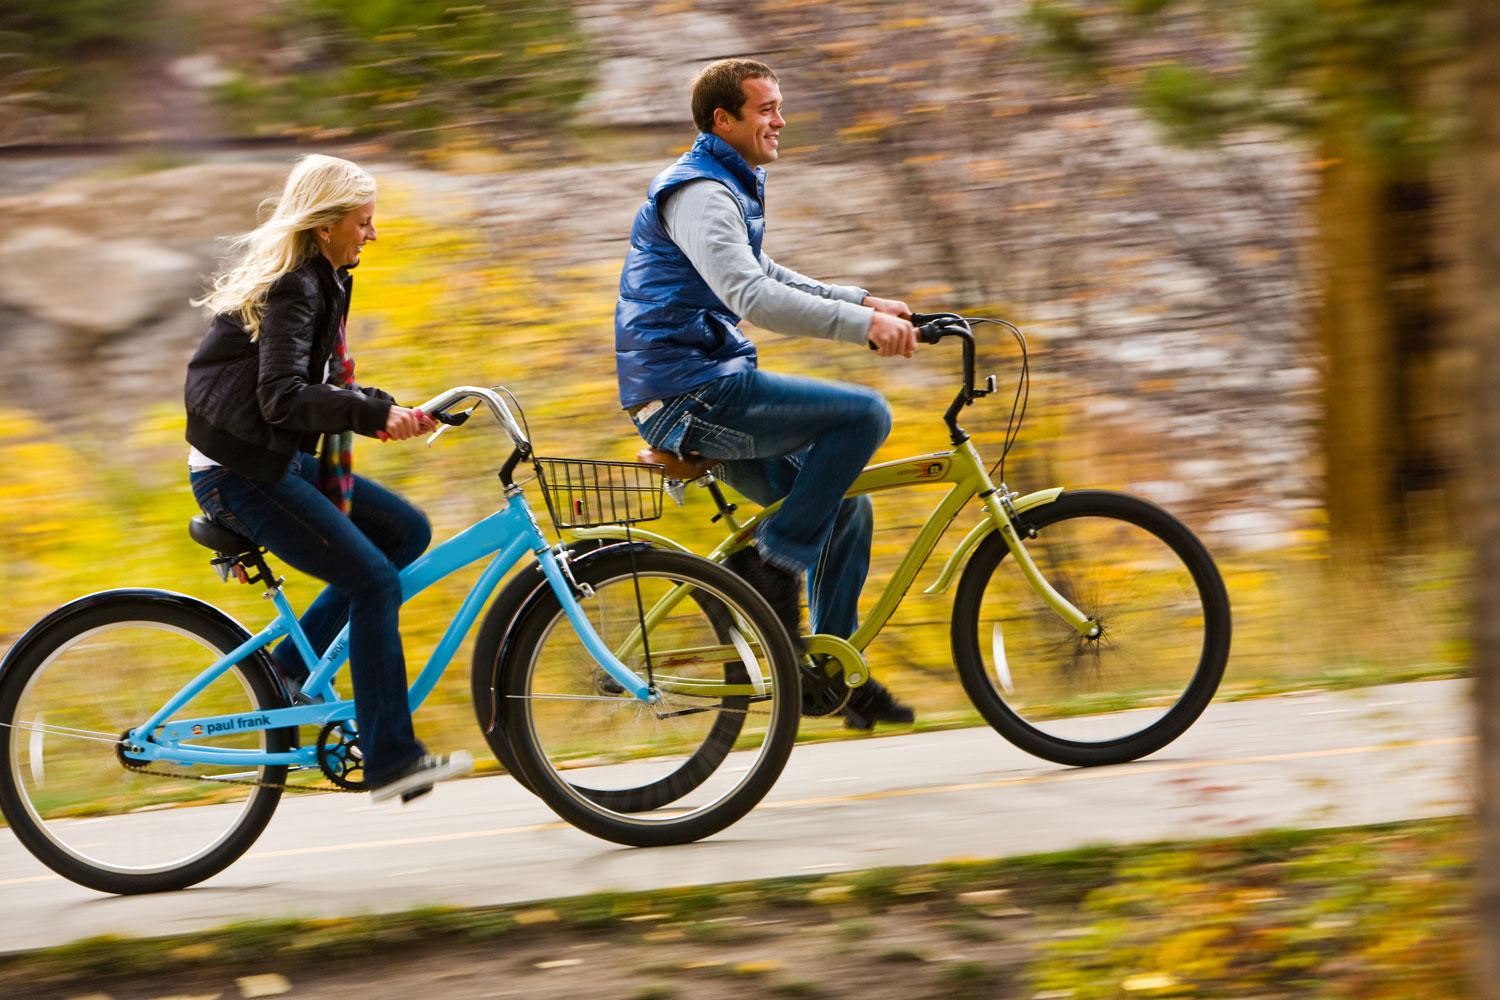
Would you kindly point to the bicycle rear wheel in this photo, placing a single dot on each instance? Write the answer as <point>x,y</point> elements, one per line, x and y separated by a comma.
<point>672,772</point>
<point>1162,608</point>
<point>76,684</point>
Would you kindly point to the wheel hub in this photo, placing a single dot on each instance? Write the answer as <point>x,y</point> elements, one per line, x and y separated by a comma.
<point>126,743</point>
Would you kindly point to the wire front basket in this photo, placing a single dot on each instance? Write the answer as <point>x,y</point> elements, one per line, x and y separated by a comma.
<point>582,493</point>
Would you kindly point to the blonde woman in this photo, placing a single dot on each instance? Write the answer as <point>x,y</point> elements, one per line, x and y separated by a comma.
<point>272,406</point>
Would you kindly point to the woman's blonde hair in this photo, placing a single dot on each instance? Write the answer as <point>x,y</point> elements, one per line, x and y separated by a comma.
<point>319,191</point>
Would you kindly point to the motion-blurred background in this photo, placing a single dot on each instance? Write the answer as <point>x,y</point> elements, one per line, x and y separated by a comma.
<point>1227,229</point>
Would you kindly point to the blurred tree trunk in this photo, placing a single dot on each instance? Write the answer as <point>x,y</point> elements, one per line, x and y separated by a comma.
<point>1359,402</point>
<point>1483,110</point>
<point>1371,73</point>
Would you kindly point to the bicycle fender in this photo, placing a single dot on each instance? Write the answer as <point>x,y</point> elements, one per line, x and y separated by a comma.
<point>615,533</point>
<point>103,597</point>
<point>516,599</point>
<point>979,531</point>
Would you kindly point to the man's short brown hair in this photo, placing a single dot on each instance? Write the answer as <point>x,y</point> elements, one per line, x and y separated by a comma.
<point>717,85</point>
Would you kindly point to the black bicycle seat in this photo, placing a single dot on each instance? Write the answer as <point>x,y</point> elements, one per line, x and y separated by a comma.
<point>213,535</point>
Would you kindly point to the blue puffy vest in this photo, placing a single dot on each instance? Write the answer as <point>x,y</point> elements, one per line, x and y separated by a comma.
<point>672,333</point>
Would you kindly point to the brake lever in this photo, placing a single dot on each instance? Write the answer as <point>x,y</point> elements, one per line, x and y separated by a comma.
<point>448,420</point>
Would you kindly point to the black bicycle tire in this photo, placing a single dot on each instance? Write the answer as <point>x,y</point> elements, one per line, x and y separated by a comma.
<point>644,798</point>
<point>219,632</point>
<point>697,769</point>
<point>969,659</point>
<point>782,662</point>
<point>483,671</point>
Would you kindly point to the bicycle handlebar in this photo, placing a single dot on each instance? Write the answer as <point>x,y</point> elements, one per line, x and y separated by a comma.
<point>933,327</point>
<point>438,406</point>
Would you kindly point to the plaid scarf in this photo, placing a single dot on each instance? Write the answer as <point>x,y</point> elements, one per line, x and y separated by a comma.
<point>336,456</point>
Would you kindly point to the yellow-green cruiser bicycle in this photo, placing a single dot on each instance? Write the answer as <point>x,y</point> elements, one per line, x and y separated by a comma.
<point>1089,626</point>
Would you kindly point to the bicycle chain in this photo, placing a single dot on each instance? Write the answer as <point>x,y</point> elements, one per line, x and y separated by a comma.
<point>317,789</point>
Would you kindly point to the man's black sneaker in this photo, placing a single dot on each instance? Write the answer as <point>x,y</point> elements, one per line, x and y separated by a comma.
<point>781,589</point>
<point>871,703</point>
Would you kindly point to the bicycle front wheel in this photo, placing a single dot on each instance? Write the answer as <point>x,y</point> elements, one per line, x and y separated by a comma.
<point>725,672</point>
<point>79,683</point>
<point>1163,614</point>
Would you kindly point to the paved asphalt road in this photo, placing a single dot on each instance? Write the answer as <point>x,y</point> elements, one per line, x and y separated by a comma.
<point>1317,759</point>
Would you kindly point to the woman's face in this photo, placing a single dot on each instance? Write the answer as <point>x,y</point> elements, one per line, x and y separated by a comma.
<point>342,241</point>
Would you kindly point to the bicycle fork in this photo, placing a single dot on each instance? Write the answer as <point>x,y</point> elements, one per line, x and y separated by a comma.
<point>997,501</point>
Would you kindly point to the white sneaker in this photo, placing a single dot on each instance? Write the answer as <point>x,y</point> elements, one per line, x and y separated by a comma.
<point>419,778</point>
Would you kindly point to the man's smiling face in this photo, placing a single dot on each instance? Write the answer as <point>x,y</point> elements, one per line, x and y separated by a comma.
<point>755,134</point>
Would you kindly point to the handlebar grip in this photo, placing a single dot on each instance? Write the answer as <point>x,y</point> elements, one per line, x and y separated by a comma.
<point>930,327</point>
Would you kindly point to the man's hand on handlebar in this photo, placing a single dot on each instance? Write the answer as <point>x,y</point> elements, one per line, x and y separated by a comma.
<point>891,335</point>
<point>891,307</point>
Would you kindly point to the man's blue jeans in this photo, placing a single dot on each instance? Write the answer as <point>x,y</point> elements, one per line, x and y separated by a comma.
<point>359,556</point>
<point>801,439</point>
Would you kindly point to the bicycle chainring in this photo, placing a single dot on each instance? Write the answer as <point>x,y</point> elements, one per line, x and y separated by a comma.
<point>340,757</point>
<point>821,694</point>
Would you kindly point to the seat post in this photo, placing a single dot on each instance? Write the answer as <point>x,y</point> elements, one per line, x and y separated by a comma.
<point>240,564</point>
<point>263,575</point>
<point>234,554</point>
<point>726,509</point>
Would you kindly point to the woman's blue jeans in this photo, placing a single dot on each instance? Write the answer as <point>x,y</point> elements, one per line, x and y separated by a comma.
<point>801,439</point>
<point>359,556</point>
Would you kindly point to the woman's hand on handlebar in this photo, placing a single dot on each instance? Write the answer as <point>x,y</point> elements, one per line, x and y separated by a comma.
<point>403,423</point>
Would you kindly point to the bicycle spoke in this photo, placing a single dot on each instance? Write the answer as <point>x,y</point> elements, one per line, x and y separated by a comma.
<point>78,734</point>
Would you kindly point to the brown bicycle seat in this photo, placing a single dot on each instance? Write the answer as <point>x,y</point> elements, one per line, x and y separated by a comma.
<point>685,469</point>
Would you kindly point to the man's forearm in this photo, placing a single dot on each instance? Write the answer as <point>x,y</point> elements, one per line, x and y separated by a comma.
<point>786,276</point>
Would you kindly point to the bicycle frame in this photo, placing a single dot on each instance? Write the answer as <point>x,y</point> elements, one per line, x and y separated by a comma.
<point>507,535</point>
<point>965,471</point>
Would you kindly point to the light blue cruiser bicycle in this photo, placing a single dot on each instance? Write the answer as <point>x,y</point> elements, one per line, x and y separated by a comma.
<point>146,738</point>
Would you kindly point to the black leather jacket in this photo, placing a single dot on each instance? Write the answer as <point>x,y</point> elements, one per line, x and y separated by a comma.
<point>252,405</point>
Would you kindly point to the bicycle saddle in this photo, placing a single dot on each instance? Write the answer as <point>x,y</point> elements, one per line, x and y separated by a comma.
<point>685,469</point>
<point>213,535</point>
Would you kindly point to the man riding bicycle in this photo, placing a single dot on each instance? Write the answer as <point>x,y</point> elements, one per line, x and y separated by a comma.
<point>688,375</point>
